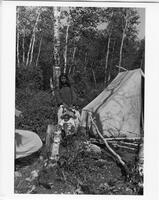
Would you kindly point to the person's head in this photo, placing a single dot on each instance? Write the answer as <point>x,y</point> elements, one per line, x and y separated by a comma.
<point>66,117</point>
<point>63,81</point>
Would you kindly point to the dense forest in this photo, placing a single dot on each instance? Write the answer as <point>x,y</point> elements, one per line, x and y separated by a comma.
<point>90,44</point>
<point>86,42</point>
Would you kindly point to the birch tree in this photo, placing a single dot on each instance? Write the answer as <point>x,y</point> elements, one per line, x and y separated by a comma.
<point>28,54</point>
<point>66,41</point>
<point>39,50</point>
<point>17,39</point>
<point>125,23</point>
<point>56,66</point>
<point>33,36</point>
<point>129,19</point>
<point>107,56</point>
<point>23,45</point>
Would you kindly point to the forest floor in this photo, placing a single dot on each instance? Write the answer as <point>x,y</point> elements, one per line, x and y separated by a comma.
<point>79,170</point>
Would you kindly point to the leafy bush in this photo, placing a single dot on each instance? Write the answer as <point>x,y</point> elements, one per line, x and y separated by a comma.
<point>30,76</point>
<point>38,111</point>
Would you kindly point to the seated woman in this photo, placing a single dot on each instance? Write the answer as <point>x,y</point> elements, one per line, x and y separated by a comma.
<point>66,98</point>
<point>65,94</point>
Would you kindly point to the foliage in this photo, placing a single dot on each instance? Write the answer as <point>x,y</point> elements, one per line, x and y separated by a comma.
<point>87,42</point>
<point>79,171</point>
<point>38,111</point>
<point>29,77</point>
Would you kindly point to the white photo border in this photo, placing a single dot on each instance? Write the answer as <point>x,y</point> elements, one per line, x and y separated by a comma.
<point>7,98</point>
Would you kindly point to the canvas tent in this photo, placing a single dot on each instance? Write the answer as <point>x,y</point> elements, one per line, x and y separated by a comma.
<point>117,110</point>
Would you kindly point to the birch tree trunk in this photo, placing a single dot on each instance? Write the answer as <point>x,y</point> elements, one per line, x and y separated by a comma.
<point>122,41</point>
<point>66,47</point>
<point>17,42</point>
<point>32,41</point>
<point>107,56</point>
<point>73,55</point>
<point>28,54</point>
<point>23,46</point>
<point>18,62</point>
<point>76,39</point>
<point>85,62</point>
<point>56,67</point>
<point>37,60</point>
<point>32,49</point>
<point>34,32</point>
<point>111,63</point>
<point>94,77</point>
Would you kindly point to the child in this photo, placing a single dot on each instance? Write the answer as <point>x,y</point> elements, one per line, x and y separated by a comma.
<point>67,124</point>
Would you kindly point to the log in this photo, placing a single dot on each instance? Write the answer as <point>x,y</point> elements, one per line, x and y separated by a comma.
<point>49,134</point>
<point>129,144</point>
<point>124,139</point>
<point>118,158</point>
<point>132,147</point>
<point>53,139</point>
<point>124,147</point>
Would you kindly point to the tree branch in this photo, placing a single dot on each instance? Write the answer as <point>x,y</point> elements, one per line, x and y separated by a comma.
<point>118,158</point>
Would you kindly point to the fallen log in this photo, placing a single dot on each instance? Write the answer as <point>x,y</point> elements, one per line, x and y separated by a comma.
<point>129,144</point>
<point>117,157</point>
<point>124,147</point>
<point>124,139</point>
<point>131,141</point>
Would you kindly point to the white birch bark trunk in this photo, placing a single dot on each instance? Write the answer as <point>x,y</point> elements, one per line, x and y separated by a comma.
<point>32,49</point>
<point>23,46</point>
<point>34,32</point>
<point>32,41</point>
<point>94,77</point>
<point>18,62</point>
<point>122,42</point>
<point>109,76</point>
<point>85,62</point>
<point>17,42</point>
<point>107,56</point>
<point>66,47</point>
<point>37,60</point>
<point>28,54</point>
<point>56,67</point>
<point>73,55</point>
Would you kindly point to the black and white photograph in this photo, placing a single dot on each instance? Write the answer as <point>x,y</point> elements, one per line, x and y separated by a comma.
<point>79,100</point>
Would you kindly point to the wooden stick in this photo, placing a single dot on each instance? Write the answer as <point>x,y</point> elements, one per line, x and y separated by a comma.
<point>120,67</point>
<point>124,147</point>
<point>125,139</point>
<point>128,144</point>
<point>108,147</point>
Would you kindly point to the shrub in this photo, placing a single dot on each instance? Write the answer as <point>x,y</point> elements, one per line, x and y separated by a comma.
<point>38,111</point>
<point>30,76</point>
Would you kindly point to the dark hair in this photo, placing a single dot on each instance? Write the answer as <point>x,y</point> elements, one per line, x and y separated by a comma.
<point>67,84</point>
